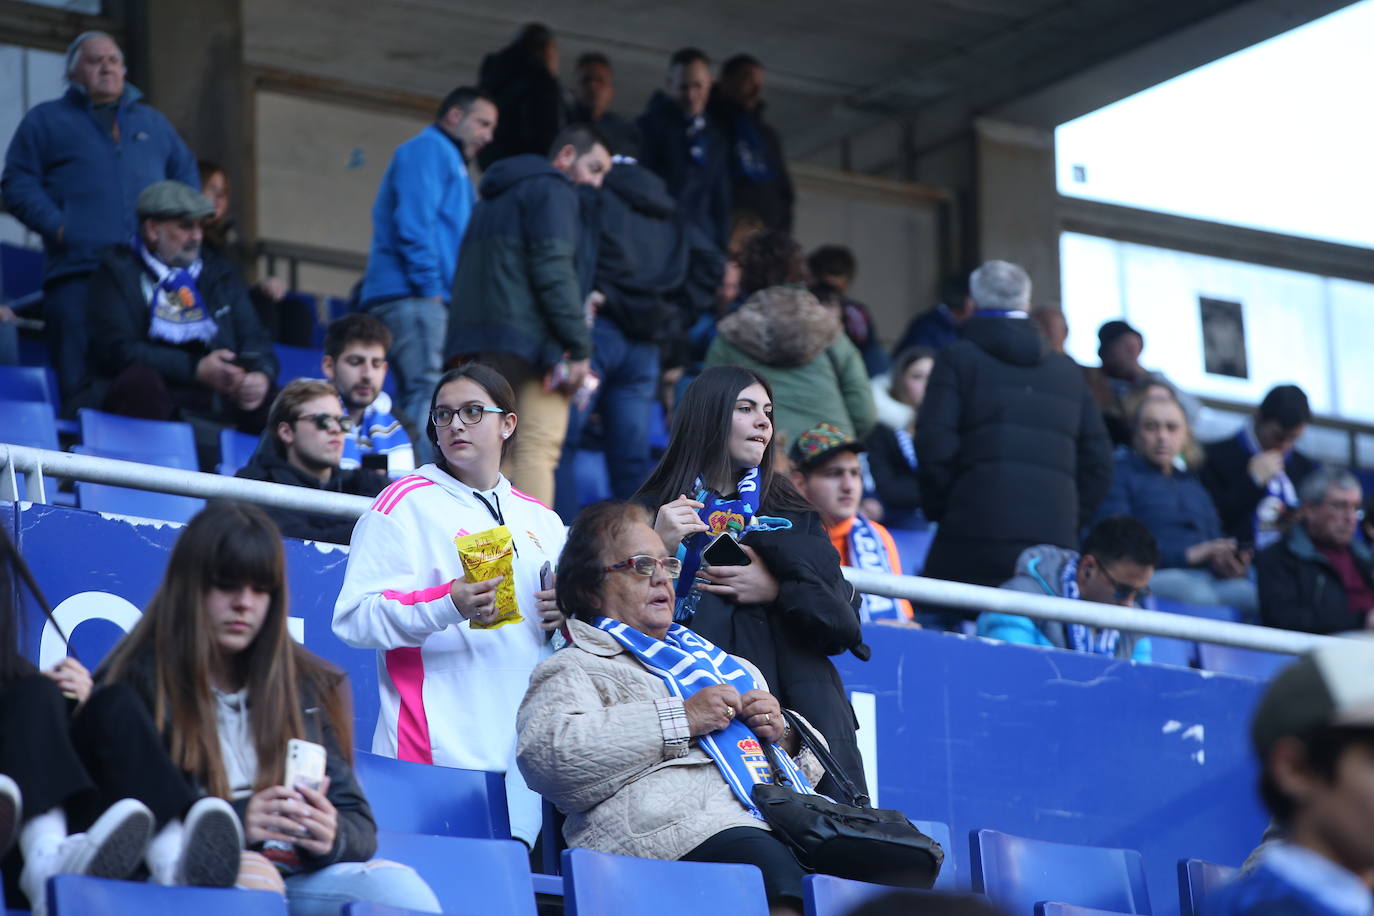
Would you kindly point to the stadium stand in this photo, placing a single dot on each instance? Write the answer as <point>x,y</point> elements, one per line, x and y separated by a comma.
<point>1021,873</point>
<point>598,882</point>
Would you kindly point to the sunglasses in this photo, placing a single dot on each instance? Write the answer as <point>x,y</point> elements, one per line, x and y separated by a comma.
<point>1122,592</point>
<point>644,565</point>
<point>469,414</point>
<point>327,422</point>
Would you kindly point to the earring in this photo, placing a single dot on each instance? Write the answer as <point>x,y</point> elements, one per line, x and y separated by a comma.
<point>505,435</point>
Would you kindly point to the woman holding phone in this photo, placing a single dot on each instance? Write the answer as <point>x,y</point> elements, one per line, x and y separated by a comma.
<point>782,602</point>
<point>230,691</point>
<point>450,671</point>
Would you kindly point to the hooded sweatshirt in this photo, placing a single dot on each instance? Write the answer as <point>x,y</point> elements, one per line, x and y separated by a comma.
<point>529,101</point>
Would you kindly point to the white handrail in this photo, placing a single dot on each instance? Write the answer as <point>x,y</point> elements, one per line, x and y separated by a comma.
<point>975,598</point>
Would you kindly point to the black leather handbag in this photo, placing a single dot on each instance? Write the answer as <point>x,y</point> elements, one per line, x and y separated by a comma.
<point>851,840</point>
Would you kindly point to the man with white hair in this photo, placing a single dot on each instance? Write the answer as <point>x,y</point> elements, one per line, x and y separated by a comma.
<point>1011,451</point>
<point>72,175</point>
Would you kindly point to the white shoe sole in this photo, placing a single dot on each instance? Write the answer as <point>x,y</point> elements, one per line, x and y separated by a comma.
<point>211,849</point>
<point>116,841</point>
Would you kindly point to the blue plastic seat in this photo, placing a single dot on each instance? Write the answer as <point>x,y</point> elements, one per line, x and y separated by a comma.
<point>599,883</point>
<point>1209,611</point>
<point>297,362</point>
<point>1165,650</point>
<point>1067,909</point>
<point>1018,873</point>
<point>79,895</point>
<point>949,878</point>
<point>1244,662</point>
<point>235,450</point>
<point>358,908</point>
<point>442,801</point>
<point>29,423</point>
<point>167,507</point>
<point>110,434</point>
<point>24,383</point>
<point>912,547</point>
<point>826,895</point>
<point>468,875</point>
<point>1196,881</point>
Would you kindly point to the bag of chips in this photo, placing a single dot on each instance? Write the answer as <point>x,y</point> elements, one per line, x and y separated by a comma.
<point>486,555</point>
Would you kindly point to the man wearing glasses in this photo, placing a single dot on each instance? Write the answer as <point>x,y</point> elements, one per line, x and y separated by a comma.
<point>302,447</point>
<point>1118,558</point>
<point>1319,578</point>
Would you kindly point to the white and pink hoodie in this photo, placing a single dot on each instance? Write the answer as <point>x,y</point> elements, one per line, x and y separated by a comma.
<point>449,694</point>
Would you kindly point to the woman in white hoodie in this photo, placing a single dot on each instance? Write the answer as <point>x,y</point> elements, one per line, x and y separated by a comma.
<point>450,688</point>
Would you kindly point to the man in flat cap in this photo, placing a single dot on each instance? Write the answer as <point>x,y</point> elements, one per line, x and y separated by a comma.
<point>173,334</point>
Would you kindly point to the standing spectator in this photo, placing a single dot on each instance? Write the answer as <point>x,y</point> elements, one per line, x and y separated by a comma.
<point>1319,578</point>
<point>355,348</point>
<point>759,181</point>
<point>1119,349</point>
<point>1254,476</point>
<point>679,143</point>
<point>172,333</point>
<point>892,449</point>
<point>518,298</point>
<point>74,169</point>
<point>593,93</point>
<point>418,221</point>
<point>1054,328</point>
<point>1010,446</point>
<point>832,271</point>
<point>522,79</point>
<point>301,448</point>
<point>939,327</point>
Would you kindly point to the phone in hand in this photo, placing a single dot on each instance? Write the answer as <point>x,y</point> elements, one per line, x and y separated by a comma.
<point>375,461</point>
<point>725,551</point>
<point>248,361</point>
<point>305,764</point>
<point>546,576</point>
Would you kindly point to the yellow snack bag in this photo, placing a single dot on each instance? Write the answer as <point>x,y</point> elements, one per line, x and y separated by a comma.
<point>486,555</point>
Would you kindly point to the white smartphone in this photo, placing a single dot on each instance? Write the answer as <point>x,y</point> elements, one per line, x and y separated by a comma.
<point>305,764</point>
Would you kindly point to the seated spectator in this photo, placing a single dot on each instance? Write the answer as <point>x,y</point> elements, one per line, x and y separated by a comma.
<point>302,447</point>
<point>231,693</point>
<point>1118,558</point>
<point>355,348</point>
<point>593,92</point>
<point>785,335</point>
<point>1319,578</point>
<point>1254,476</point>
<point>642,721</point>
<point>172,331</point>
<point>1313,734</point>
<point>892,449</point>
<point>1196,564</point>
<point>832,271</point>
<point>1119,348</point>
<point>522,79</point>
<point>939,327</point>
<point>829,476</point>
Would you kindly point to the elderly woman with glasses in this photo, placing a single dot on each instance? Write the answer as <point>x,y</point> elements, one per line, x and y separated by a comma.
<point>644,734</point>
<point>451,665</point>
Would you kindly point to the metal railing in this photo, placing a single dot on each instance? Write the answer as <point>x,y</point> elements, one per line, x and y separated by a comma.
<point>36,463</point>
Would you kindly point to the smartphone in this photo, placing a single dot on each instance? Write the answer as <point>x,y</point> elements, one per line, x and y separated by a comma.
<point>375,461</point>
<point>305,764</point>
<point>725,551</point>
<point>248,360</point>
<point>546,576</point>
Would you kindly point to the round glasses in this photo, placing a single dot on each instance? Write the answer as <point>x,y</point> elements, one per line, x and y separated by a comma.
<point>469,414</point>
<point>644,565</point>
<point>327,422</point>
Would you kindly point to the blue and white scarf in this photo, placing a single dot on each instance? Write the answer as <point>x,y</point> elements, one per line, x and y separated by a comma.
<point>1081,637</point>
<point>1279,496</point>
<point>686,663</point>
<point>867,551</point>
<point>179,314</point>
<point>908,447</point>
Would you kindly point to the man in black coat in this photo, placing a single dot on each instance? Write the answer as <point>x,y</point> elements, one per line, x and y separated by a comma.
<point>759,181</point>
<point>1011,448</point>
<point>1254,476</point>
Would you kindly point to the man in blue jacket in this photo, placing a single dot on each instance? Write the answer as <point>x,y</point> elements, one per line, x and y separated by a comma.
<point>73,174</point>
<point>418,220</point>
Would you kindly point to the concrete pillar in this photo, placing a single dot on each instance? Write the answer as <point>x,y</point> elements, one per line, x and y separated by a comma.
<point>1017,201</point>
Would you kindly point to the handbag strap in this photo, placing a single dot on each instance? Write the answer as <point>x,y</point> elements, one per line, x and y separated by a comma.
<point>827,760</point>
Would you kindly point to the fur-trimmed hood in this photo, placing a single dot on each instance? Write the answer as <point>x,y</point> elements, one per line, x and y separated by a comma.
<point>781,326</point>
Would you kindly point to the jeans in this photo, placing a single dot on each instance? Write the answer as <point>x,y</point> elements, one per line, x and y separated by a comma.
<point>418,328</point>
<point>327,891</point>
<point>1199,586</point>
<point>64,311</point>
<point>629,383</point>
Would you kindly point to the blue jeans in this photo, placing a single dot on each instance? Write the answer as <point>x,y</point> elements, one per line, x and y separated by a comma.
<point>64,312</point>
<point>1199,586</point>
<point>629,383</point>
<point>418,328</point>
<point>327,891</point>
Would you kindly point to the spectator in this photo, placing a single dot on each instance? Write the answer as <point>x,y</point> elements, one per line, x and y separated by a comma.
<point>678,142</point>
<point>789,609</point>
<point>75,186</point>
<point>1053,327</point>
<point>302,446</point>
<point>829,476</point>
<point>1319,578</point>
<point>419,219</point>
<point>1010,448</point>
<point>759,181</point>
<point>1196,563</point>
<point>783,334</point>
<point>230,694</point>
<point>1254,476</point>
<point>892,449</point>
<point>939,327</point>
<point>1118,558</point>
<point>522,80</point>
<point>518,296</point>
<point>1119,349</point>
<point>1313,734</point>
<point>450,680</point>
<point>832,271</point>
<point>203,352</point>
<point>355,348</point>
<point>593,93</point>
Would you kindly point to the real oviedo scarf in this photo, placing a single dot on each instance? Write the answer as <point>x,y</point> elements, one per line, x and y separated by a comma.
<point>867,551</point>
<point>179,314</point>
<point>1081,636</point>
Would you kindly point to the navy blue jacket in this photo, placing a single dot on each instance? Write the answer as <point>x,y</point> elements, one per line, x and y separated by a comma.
<point>65,171</point>
<point>702,189</point>
<point>769,199</point>
<point>1177,509</point>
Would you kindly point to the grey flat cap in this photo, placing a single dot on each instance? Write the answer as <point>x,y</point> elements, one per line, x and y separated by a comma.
<point>172,200</point>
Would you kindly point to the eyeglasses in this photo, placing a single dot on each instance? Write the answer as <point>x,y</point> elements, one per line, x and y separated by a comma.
<point>1344,508</point>
<point>1122,591</point>
<point>470,414</point>
<point>327,422</point>
<point>644,565</point>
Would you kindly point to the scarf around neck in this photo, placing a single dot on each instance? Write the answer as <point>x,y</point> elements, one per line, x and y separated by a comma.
<point>1279,495</point>
<point>179,314</point>
<point>1081,636</point>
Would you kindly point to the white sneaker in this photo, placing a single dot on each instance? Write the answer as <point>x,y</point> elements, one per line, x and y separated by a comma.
<point>112,848</point>
<point>11,804</point>
<point>211,845</point>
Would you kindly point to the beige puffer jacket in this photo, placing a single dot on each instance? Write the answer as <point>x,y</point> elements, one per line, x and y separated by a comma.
<point>591,743</point>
